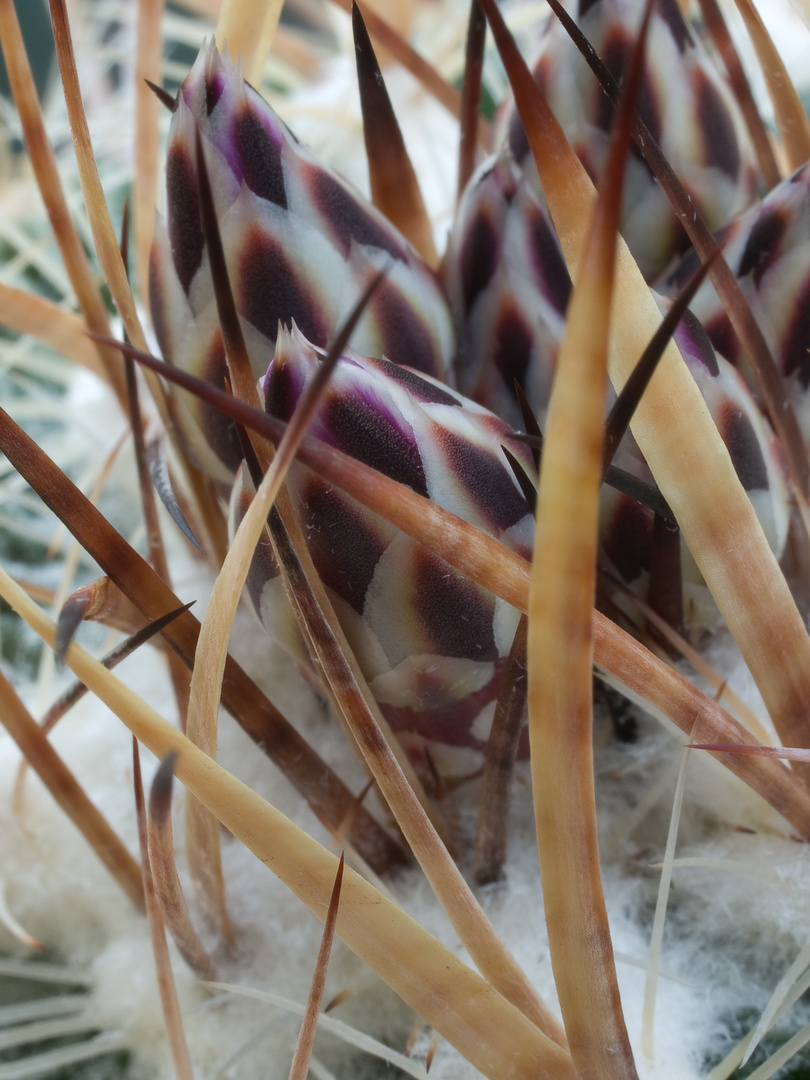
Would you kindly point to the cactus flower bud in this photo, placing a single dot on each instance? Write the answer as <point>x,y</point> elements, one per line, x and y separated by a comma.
<point>766,247</point>
<point>626,528</point>
<point>431,643</point>
<point>509,286</point>
<point>685,102</point>
<point>509,289</point>
<point>300,245</point>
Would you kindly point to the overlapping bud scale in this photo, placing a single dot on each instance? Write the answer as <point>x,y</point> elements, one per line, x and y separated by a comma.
<point>766,247</point>
<point>685,102</point>
<point>627,528</point>
<point>508,287</point>
<point>506,277</point>
<point>301,245</point>
<point>431,643</point>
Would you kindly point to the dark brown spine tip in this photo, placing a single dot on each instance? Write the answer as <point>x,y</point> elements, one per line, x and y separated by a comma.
<point>163,96</point>
<point>124,245</point>
<point>377,111</point>
<point>524,481</point>
<point>646,494</point>
<point>530,424</point>
<point>74,611</point>
<point>160,624</point>
<point>471,94</point>
<point>160,794</point>
<point>338,999</point>
<point>626,403</point>
<point>394,185</point>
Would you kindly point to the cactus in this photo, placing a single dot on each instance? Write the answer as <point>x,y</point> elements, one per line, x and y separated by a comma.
<point>435,677</point>
<point>402,536</point>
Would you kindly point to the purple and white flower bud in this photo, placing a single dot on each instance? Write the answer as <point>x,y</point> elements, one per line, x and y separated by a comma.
<point>685,102</point>
<point>767,248</point>
<point>431,643</point>
<point>626,528</point>
<point>509,289</point>
<point>300,245</point>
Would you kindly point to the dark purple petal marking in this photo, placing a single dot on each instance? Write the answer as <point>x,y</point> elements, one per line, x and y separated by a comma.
<point>418,388</point>
<point>442,718</point>
<point>649,109</point>
<point>185,229</point>
<point>405,338</point>
<point>282,389</point>
<point>368,432</point>
<point>671,14</point>
<point>685,269</point>
<point>270,290</point>
<point>259,157</point>
<point>214,87</point>
<point>722,336</point>
<point>549,263</point>
<point>345,549</point>
<point>691,337</point>
<point>617,53</point>
<point>616,50</point>
<point>586,5</point>
<point>512,347</point>
<point>517,139</point>
<point>627,537</point>
<point>479,258</point>
<point>346,216</point>
<point>763,245</point>
<point>454,613</point>
<point>795,344</point>
<point>743,446</point>
<point>482,476</point>
<point>720,145</point>
<point>542,73</point>
<point>220,432</point>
